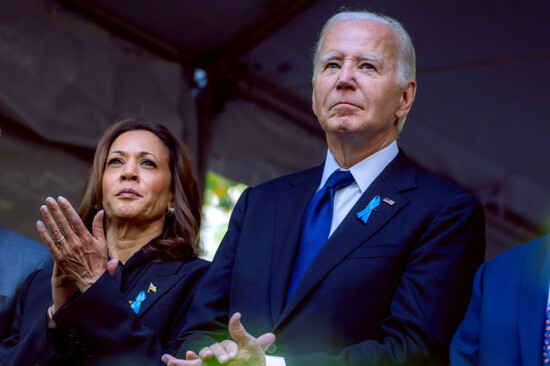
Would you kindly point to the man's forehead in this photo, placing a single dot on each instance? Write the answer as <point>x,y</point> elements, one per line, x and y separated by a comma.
<point>353,30</point>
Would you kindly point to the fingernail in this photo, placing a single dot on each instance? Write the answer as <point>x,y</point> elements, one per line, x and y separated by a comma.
<point>62,199</point>
<point>43,209</point>
<point>40,224</point>
<point>50,200</point>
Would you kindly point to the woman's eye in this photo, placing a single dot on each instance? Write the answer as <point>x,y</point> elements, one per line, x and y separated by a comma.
<point>148,163</point>
<point>114,161</point>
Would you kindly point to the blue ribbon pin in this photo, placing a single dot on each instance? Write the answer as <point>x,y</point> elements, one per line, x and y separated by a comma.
<point>137,303</point>
<point>365,214</point>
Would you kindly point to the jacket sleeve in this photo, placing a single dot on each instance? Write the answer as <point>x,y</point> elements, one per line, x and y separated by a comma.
<point>30,342</point>
<point>465,343</point>
<point>209,310</point>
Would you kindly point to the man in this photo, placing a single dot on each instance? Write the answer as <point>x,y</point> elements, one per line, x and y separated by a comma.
<point>507,321</point>
<point>20,256</point>
<point>393,280</point>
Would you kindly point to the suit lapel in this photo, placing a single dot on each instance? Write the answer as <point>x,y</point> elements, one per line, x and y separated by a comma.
<point>533,300</point>
<point>352,232</point>
<point>160,278</point>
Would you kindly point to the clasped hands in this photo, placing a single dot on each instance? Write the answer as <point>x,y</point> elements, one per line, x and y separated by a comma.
<point>244,350</point>
<point>80,257</point>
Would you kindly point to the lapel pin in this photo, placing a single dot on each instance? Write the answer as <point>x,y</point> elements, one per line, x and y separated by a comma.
<point>365,214</point>
<point>137,302</point>
<point>388,201</point>
<point>152,288</point>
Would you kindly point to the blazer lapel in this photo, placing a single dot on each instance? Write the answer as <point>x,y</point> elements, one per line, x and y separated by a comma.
<point>292,202</point>
<point>533,302</point>
<point>352,232</point>
<point>160,278</point>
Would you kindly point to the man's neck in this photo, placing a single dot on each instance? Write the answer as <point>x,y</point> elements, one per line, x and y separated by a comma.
<point>347,154</point>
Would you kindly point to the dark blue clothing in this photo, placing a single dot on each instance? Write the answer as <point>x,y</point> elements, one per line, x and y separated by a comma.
<point>389,291</point>
<point>99,327</point>
<point>504,324</point>
<point>19,257</point>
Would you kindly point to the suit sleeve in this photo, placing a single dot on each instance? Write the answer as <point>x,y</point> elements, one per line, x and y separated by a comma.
<point>207,323</point>
<point>465,343</point>
<point>28,344</point>
<point>431,297</point>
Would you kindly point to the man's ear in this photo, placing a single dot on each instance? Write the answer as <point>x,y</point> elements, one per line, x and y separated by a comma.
<point>313,94</point>
<point>406,100</point>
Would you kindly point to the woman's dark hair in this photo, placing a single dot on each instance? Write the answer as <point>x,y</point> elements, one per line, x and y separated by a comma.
<point>180,235</point>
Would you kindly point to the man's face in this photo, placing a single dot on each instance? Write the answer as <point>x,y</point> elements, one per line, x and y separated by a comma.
<point>356,90</point>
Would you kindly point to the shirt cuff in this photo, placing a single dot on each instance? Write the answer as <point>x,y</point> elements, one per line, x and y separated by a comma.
<point>274,361</point>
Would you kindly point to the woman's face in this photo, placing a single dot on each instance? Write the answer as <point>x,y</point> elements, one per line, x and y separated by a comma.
<point>136,180</point>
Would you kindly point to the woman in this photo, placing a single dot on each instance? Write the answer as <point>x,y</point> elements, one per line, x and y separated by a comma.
<point>141,207</point>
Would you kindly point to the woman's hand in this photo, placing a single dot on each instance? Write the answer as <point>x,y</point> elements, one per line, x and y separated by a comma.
<point>81,256</point>
<point>62,288</point>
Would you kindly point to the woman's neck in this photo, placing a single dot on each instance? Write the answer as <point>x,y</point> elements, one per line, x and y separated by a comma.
<point>123,241</point>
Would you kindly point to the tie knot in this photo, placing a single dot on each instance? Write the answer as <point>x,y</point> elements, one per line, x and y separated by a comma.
<point>339,179</point>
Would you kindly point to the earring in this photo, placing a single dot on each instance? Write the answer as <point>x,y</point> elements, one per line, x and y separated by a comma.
<point>171,211</point>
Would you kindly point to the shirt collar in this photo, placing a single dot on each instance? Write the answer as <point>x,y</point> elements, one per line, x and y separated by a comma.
<point>365,171</point>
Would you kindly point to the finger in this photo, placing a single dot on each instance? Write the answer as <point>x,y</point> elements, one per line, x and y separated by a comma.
<point>170,360</point>
<point>237,331</point>
<point>217,351</point>
<point>97,227</point>
<point>111,267</point>
<point>43,231</point>
<point>265,340</point>
<point>62,223</point>
<point>53,230</point>
<point>206,353</point>
<point>190,355</point>
<point>70,214</point>
<point>231,348</point>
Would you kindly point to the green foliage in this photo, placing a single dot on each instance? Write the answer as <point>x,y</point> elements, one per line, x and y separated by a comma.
<point>220,196</point>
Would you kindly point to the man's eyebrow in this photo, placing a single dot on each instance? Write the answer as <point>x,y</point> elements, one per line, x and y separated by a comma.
<point>328,58</point>
<point>370,59</point>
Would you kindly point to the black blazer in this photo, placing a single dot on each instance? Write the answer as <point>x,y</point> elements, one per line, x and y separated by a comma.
<point>99,327</point>
<point>390,291</point>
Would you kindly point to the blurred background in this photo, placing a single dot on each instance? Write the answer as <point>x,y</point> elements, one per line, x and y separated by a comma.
<point>232,79</point>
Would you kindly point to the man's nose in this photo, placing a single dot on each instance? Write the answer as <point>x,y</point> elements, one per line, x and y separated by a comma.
<point>346,78</point>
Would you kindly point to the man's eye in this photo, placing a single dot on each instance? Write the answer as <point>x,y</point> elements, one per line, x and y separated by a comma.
<point>331,66</point>
<point>366,67</point>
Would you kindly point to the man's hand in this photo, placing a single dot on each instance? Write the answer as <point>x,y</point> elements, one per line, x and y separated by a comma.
<point>245,350</point>
<point>191,359</point>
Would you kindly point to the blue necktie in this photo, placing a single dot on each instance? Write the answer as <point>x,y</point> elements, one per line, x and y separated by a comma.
<point>316,226</point>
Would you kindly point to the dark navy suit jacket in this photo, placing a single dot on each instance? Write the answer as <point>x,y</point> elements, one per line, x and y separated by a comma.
<point>389,291</point>
<point>19,257</point>
<point>504,324</point>
<point>98,327</point>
